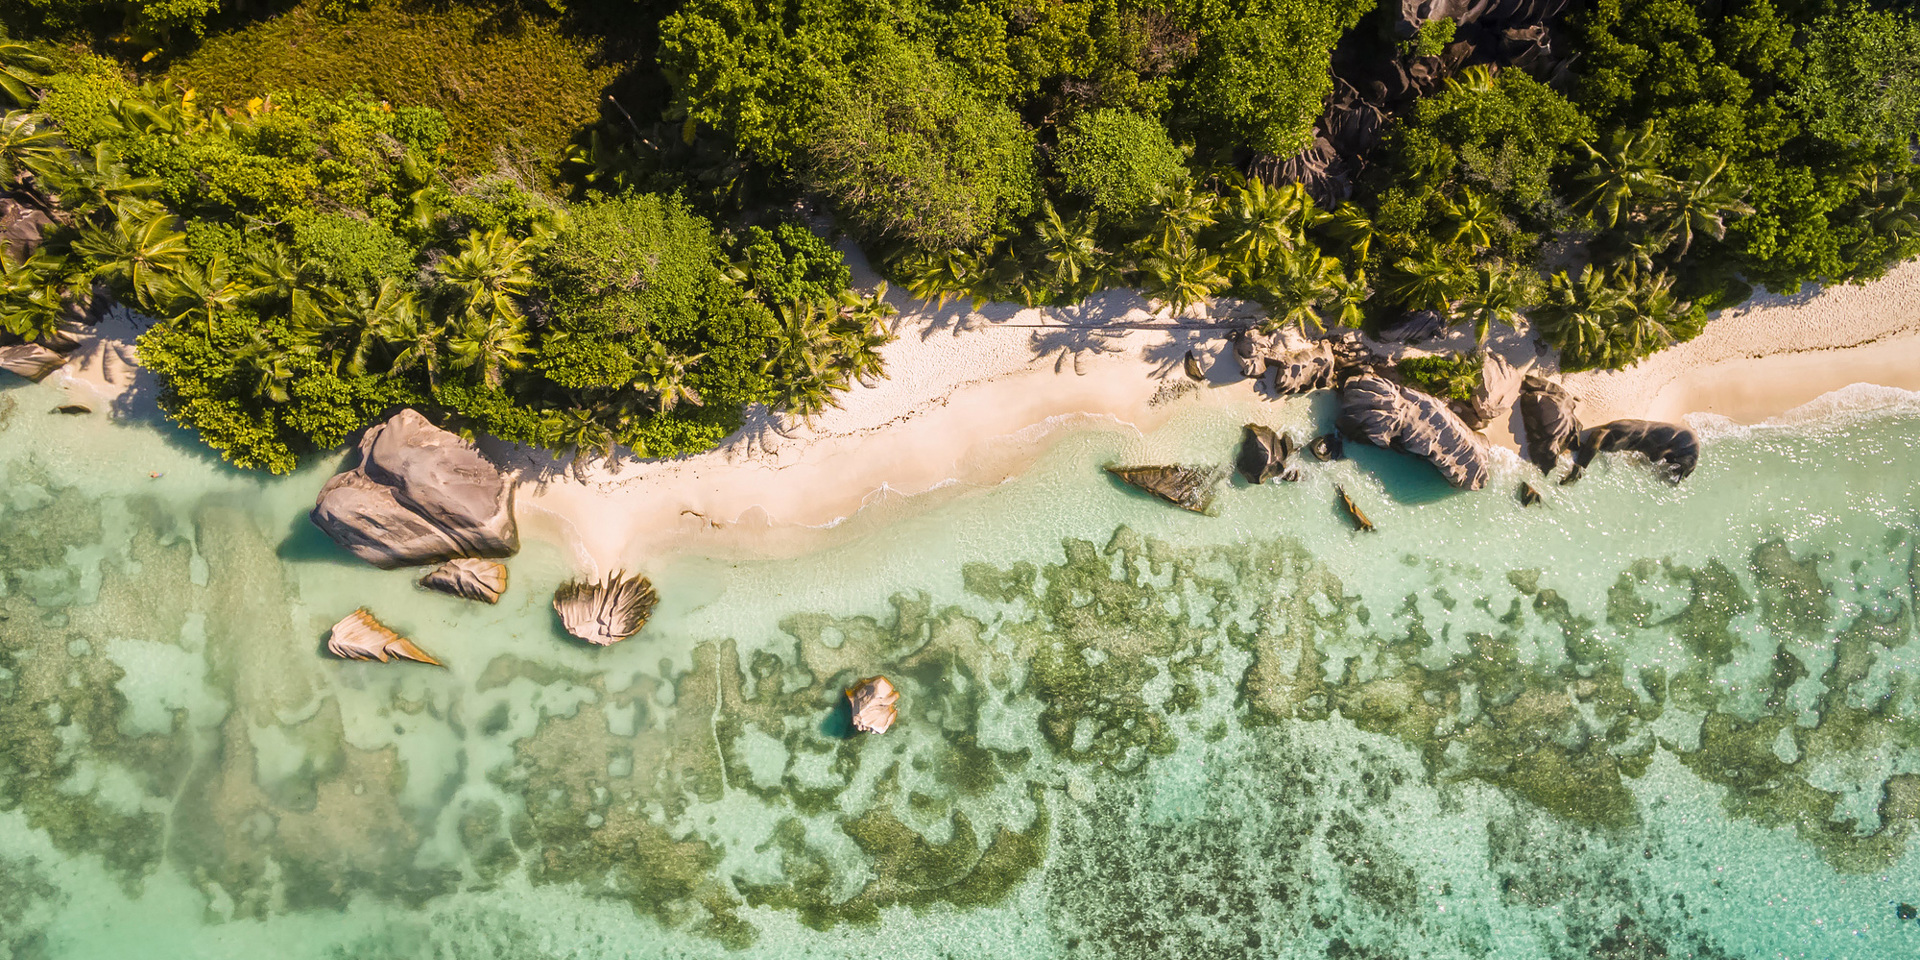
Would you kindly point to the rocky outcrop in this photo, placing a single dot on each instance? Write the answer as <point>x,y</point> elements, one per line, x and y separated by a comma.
<point>608,611</point>
<point>1194,370</point>
<point>1671,447</point>
<point>21,226</point>
<point>1301,363</point>
<point>1414,327</point>
<point>1264,455</point>
<point>1190,488</point>
<point>1328,447</point>
<point>31,360</point>
<point>1528,495</point>
<point>469,577</point>
<point>1377,411</point>
<point>1546,414</point>
<point>419,495</point>
<point>1499,388</point>
<point>361,637</point>
<point>872,700</point>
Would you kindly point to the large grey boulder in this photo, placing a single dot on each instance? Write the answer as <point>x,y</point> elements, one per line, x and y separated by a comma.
<point>1546,414</point>
<point>21,227</point>
<point>1499,388</point>
<point>1264,454</point>
<point>1672,448</point>
<point>1380,412</point>
<point>419,495</point>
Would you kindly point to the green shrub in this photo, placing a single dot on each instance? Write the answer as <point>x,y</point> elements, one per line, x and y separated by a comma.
<point>1432,38</point>
<point>350,251</point>
<point>1507,140</point>
<point>791,263</point>
<point>1446,377</point>
<point>907,152</point>
<point>1262,76</point>
<point>1120,160</point>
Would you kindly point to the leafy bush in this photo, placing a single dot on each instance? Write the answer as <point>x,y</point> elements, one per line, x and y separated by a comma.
<point>1262,75</point>
<point>907,152</point>
<point>1432,38</point>
<point>1447,377</point>
<point>791,263</point>
<point>1506,138</point>
<point>1119,159</point>
<point>1862,77</point>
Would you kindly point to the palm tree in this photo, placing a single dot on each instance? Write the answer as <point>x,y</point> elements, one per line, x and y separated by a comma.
<point>1296,283</point>
<point>805,382</point>
<point>266,366</point>
<point>1578,316</point>
<point>1493,294</point>
<point>488,345</point>
<point>1647,324</point>
<point>1261,221</point>
<point>418,339</point>
<point>1475,219</point>
<point>1429,281</point>
<point>1697,205</point>
<point>490,271</point>
<point>1616,176</point>
<point>1179,274</point>
<point>350,324</point>
<point>1077,260</point>
<point>1350,295</point>
<point>666,375</point>
<point>208,290</point>
<point>1350,225</point>
<point>25,138</point>
<point>860,333</point>
<point>32,294</point>
<point>136,251</point>
<point>95,181</point>
<point>1474,79</point>
<point>940,277</point>
<point>21,68</point>
<point>1183,213</point>
<point>278,277</point>
<point>581,433</point>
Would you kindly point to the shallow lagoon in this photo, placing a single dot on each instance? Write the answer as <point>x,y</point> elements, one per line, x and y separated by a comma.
<point>1640,721</point>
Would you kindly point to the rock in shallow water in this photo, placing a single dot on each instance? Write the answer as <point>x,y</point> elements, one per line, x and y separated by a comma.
<point>361,637</point>
<point>1674,449</point>
<point>1187,487</point>
<point>469,577</point>
<point>1377,411</point>
<point>419,495</point>
<point>1263,454</point>
<point>1546,414</point>
<point>873,700</point>
<point>608,611</point>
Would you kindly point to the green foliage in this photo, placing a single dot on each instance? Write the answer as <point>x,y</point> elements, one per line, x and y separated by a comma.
<point>350,251</point>
<point>1505,138</point>
<point>1862,79</point>
<point>791,263</point>
<point>1119,159</point>
<point>1262,75</point>
<point>505,94</point>
<point>1432,38</point>
<point>907,152</point>
<point>1447,377</point>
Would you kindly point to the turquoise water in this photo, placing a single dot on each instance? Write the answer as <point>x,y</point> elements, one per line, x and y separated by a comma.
<point>1640,721</point>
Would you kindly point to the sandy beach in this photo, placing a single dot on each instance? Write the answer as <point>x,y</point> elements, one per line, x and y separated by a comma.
<point>971,398</point>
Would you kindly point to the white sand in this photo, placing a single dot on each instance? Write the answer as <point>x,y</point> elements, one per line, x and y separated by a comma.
<point>972,398</point>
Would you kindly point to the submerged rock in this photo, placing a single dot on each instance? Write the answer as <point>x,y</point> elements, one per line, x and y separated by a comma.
<point>1528,495</point>
<point>1671,447</point>
<point>1327,447</point>
<point>873,700</point>
<point>1377,411</point>
<point>1187,487</point>
<point>419,495</point>
<point>1264,455</point>
<point>361,637</point>
<point>31,360</point>
<point>469,577</point>
<point>608,611</point>
<point>1546,414</point>
<point>73,409</point>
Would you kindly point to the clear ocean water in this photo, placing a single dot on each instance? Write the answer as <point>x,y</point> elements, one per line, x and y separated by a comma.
<point>1638,721</point>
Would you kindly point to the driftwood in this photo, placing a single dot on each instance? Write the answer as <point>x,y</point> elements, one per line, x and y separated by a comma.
<point>361,637</point>
<point>1360,520</point>
<point>608,611</point>
<point>873,700</point>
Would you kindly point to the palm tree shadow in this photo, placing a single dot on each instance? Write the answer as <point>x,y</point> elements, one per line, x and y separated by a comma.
<point>1076,344</point>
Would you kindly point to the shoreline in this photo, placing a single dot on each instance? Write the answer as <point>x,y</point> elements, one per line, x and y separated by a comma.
<point>972,400</point>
